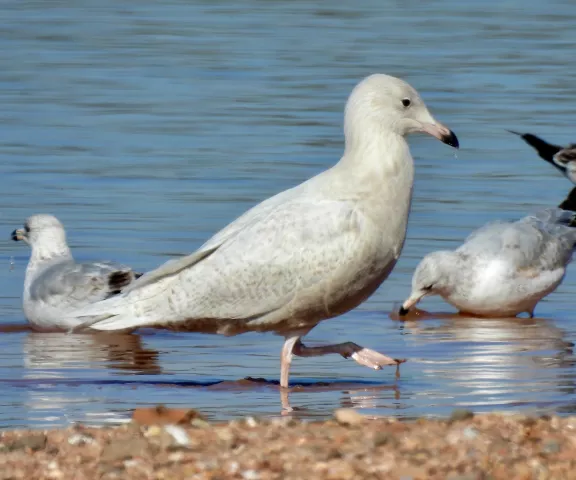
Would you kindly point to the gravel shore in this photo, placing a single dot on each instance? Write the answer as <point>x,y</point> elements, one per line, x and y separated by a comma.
<point>177,444</point>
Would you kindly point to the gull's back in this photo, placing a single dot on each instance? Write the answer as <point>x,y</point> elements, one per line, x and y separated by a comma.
<point>544,241</point>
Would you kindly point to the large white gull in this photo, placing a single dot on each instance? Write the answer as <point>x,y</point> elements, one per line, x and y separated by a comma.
<point>307,254</point>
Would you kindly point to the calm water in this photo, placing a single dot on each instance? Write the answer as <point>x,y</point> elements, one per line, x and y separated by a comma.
<point>148,127</point>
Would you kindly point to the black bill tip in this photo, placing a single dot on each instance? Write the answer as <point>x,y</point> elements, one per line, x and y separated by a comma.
<point>14,236</point>
<point>403,311</point>
<point>451,139</point>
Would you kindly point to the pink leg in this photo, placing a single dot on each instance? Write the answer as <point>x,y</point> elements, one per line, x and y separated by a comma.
<point>286,359</point>
<point>363,356</point>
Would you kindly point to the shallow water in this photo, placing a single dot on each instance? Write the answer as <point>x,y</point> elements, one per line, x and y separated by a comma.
<point>148,127</point>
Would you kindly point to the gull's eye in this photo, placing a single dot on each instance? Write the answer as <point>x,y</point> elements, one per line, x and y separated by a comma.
<point>406,102</point>
<point>26,228</point>
<point>429,287</point>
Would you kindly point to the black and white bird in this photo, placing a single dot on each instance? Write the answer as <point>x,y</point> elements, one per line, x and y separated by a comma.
<point>562,158</point>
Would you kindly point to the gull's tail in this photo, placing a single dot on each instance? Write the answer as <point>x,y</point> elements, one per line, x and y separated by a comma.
<point>125,311</point>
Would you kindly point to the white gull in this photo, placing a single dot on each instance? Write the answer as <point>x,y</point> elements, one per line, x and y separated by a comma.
<point>503,268</point>
<point>55,285</point>
<point>307,254</point>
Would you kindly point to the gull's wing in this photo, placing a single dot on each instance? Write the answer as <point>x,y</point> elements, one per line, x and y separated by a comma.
<point>298,261</point>
<point>173,267</point>
<point>544,241</point>
<point>70,285</point>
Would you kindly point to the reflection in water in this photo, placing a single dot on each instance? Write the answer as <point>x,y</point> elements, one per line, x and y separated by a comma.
<point>492,356</point>
<point>49,355</point>
<point>371,397</point>
<point>79,359</point>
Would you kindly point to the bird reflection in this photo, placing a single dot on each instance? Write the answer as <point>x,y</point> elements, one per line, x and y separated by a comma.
<point>56,364</point>
<point>382,397</point>
<point>493,354</point>
<point>55,352</point>
<point>352,395</point>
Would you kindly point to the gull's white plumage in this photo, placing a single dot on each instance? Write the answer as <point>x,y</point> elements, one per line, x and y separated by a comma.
<point>55,285</point>
<point>305,255</point>
<point>503,268</point>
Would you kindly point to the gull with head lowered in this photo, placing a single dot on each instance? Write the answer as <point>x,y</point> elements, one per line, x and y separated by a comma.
<point>503,268</point>
<point>307,254</point>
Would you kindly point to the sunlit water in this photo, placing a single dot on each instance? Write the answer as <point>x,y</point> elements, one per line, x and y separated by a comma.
<point>147,126</point>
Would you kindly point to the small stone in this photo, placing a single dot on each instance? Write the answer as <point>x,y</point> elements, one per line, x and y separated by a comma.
<point>80,439</point>
<point>411,473</point>
<point>470,433</point>
<point>34,442</point>
<point>153,431</point>
<point>233,467</point>
<point>178,434</point>
<point>529,421</point>
<point>250,475</point>
<point>162,415</point>
<point>176,457</point>
<point>108,472</point>
<point>348,416</point>
<point>551,446</point>
<point>52,450</point>
<point>225,434</point>
<point>460,414</point>
<point>420,456</point>
<point>466,476</point>
<point>333,453</point>
<point>124,449</point>
<point>571,423</point>
<point>383,438</point>
<point>251,422</point>
<point>209,464</point>
<point>284,421</point>
<point>200,423</point>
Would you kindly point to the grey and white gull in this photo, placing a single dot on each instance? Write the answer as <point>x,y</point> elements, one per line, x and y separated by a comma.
<point>55,285</point>
<point>305,255</point>
<point>502,269</point>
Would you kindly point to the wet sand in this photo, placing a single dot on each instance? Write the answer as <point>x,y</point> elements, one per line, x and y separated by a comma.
<point>172,444</point>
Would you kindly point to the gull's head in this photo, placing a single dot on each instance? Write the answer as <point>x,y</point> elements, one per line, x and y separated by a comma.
<point>392,105</point>
<point>431,277</point>
<point>41,229</point>
<point>566,160</point>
